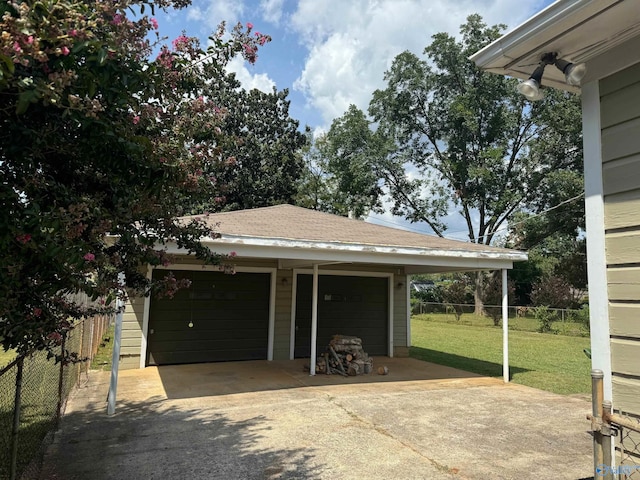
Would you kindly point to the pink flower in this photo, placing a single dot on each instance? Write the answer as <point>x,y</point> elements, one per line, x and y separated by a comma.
<point>249,25</point>
<point>73,33</point>
<point>89,257</point>
<point>37,312</point>
<point>154,22</point>
<point>23,238</point>
<point>16,47</point>
<point>232,254</point>
<point>30,39</point>
<point>136,119</point>
<point>64,50</point>
<point>117,19</point>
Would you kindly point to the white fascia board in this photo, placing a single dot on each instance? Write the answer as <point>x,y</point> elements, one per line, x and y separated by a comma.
<point>544,21</point>
<point>233,243</point>
<point>329,252</point>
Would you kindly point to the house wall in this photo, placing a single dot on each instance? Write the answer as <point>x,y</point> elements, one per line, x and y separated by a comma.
<point>132,327</point>
<point>620,123</point>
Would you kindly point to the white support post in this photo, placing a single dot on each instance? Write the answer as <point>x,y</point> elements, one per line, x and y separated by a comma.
<point>505,326</point>
<point>314,321</point>
<point>115,359</point>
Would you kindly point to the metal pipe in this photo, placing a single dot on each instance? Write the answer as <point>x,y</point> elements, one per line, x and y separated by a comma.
<point>505,327</point>
<point>115,360</point>
<point>607,439</point>
<point>314,320</point>
<point>13,469</point>
<point>61,380</point>
<point>597,394</point>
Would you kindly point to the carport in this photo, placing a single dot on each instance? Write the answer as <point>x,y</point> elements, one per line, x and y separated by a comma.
<point>293,277</point>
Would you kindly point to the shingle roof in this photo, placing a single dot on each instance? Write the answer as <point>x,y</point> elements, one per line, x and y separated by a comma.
<point>300,224</point>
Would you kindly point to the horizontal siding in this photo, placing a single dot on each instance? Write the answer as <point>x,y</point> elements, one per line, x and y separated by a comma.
<point>129,363</point>
<point>400,312</point>
<point>620,80</point>
<point>622,247</point>
<point>621,175</point>
<point>621,140</point>
<point>626,394</point>
<point>624,320</point>
<point>620,121</point>
<point>620,106</point>
<point>622,210</point>
<point>624,284</point>
<point>282,327</point>
<point>132,327</point>
<point>624,356</point>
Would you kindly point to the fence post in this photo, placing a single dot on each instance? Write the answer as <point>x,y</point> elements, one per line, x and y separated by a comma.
<point>61,380</point>
<point>597,398</point>
<point>16,420</point>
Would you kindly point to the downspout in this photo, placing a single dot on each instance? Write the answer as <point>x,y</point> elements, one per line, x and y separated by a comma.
<point>115,359</point>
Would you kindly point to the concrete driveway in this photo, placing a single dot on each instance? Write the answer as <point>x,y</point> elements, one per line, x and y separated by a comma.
<point>271,420</point>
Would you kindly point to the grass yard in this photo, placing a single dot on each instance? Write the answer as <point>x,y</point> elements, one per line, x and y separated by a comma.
<point>6,357</point>
<point>102,360</point>
<point>555,363</point>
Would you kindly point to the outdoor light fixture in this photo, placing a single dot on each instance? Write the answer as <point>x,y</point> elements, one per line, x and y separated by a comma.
<point>573,74</point>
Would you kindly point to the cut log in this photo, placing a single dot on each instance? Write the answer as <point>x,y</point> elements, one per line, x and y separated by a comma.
<point>383,370</point>
<point>349,357</point>
<point>353,369</point>
<point>335,356</point>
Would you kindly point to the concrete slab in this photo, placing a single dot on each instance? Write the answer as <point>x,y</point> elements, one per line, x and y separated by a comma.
<point>271,420</point>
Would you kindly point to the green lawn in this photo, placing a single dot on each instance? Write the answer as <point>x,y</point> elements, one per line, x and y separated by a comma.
<point>6,357</point>
<point>555,363</point>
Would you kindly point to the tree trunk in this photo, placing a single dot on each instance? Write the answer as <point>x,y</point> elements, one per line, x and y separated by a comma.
<point>477,293</point>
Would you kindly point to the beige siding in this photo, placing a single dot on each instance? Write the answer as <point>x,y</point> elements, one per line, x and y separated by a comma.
<point>131,333</point>
<point>282,330</point>
<point>624,320</point>
<point>620,121</point>
<point>400,311</point>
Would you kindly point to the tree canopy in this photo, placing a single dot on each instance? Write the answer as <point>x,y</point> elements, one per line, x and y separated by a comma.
<point>99,145</point>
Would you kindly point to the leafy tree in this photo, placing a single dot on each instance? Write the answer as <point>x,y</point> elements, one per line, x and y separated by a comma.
<point>458,293</point>
<point>340,178</point>
<point>99,145</point>
<point>264,152</point>
<point>492,296</point>
<point>456,136</point>
<point>551,291</point>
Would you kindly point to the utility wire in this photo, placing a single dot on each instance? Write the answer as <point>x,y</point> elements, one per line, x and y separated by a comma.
<point>415,230</point>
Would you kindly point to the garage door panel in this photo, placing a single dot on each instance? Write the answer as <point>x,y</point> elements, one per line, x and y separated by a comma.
<point>219,318</point>
<point>346,305</point>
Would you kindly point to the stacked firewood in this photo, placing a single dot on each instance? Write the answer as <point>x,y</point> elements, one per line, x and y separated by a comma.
<point>344,356</point>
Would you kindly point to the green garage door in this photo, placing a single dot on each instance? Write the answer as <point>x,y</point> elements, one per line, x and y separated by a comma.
<point>219,318</point>
<point>347,306</point>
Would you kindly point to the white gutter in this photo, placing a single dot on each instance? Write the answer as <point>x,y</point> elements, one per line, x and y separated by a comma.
<point>539,23</point>
<point>237,240</point>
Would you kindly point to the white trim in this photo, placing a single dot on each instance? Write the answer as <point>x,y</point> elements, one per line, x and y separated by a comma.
<point>408,294</point>
<point>321,252</point>
<point>213,268</point>
<point>292,330</point>
<point>314,321</point>
<point>272,314</point>
<point>145,323</point>
<point>596,253</point>
<point>505,327</point>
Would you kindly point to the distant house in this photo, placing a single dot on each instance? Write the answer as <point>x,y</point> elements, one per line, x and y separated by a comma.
<point>605,36</point>
<point>422,285</point>
<point>288,260</point>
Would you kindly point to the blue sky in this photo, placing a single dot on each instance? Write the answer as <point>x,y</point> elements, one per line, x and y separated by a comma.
<point>333,53</point>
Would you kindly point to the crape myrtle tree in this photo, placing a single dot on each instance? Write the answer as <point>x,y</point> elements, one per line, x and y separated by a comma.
<point>100,141</point>
<point>453,137</point>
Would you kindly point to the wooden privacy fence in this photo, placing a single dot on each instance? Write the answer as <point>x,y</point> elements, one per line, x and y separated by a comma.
<point>33,392</point>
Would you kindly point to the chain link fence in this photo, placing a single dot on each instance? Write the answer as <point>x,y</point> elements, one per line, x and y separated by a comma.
<point>628,446</point>
<point>33,392</point>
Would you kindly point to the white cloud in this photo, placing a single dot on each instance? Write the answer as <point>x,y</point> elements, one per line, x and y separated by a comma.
<point>351,44</point>
<point>211,13</point>
<point>250,80</point>
<point>272,10</point>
